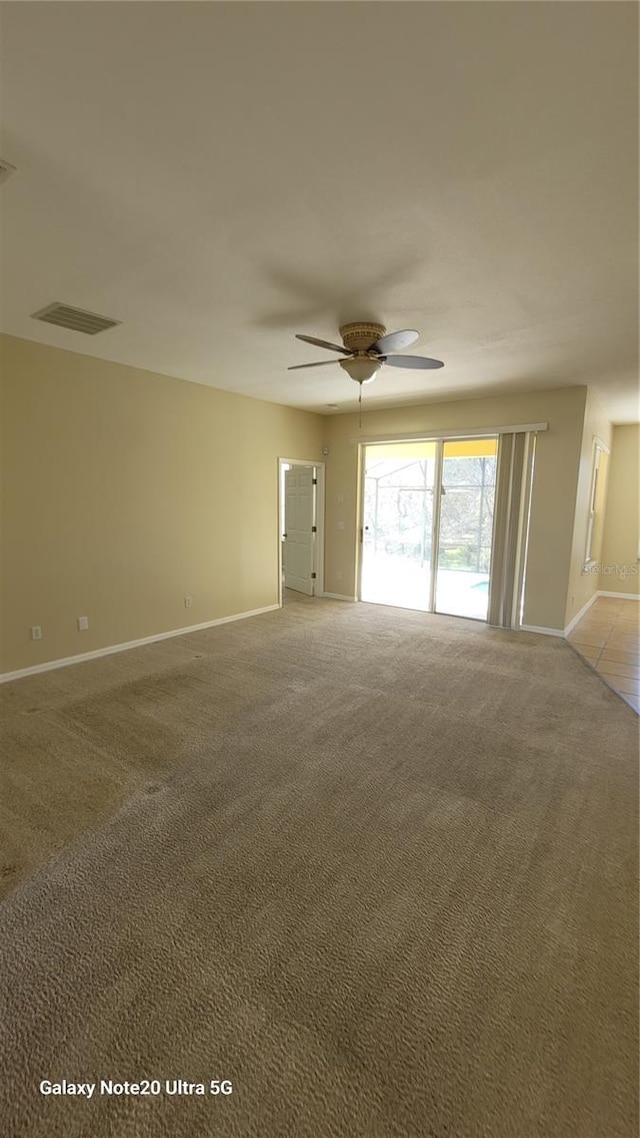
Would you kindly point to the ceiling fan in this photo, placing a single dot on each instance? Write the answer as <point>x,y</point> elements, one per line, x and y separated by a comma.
<point>366,348</point>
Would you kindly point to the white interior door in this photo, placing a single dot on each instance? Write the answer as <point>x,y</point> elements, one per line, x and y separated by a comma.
<point>299,510</point>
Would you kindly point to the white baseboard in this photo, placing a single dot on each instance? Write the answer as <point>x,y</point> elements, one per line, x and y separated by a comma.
<point>542,631</point>
<point>578,616</point>
<point>572,623</point>
<point>65,661</point>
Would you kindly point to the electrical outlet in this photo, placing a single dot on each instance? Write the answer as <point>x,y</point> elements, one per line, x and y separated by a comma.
<point>187,602</point>
<point>83,623</point>
<point>36,632</point>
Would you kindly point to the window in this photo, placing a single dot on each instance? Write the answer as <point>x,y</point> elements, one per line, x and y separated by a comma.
<point>597,495</point>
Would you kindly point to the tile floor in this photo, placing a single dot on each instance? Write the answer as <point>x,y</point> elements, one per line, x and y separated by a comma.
<point>608,638</point>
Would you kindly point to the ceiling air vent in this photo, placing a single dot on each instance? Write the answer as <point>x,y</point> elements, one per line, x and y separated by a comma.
<point>75,318</point>
<point>6,170</point>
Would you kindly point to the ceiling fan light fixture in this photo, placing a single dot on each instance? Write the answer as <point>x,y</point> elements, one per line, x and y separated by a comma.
<point>361,370</point>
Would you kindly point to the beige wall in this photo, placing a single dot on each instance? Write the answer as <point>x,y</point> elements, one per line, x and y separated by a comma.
<point>124,491</point>
<point>583,583</point>
<point>554,489</point>
<point>619,565</point>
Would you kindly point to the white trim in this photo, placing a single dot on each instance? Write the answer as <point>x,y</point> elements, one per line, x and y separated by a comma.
<point>451,433</point>
<point>579,615</point>
<point>337,597</point>
<point>65,661</point>
<point>362,466</point>
<point>542,631</point>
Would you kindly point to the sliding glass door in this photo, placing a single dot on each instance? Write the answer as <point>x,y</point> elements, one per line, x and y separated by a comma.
<point>428,524</point>
<point>398,524</point>
<point>465,528</point>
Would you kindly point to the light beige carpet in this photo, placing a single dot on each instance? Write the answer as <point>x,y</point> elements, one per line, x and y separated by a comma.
<point>376,868</point>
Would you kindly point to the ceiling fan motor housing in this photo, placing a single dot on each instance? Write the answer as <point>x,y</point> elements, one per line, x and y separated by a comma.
<point>366,348</point>
<point>358,337</point>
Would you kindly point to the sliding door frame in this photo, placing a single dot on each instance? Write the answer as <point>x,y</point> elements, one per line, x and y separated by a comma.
<point>519,540</point>
<point>435,524</point>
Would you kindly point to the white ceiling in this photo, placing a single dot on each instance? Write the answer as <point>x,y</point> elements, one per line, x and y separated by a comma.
<point>219,176</point>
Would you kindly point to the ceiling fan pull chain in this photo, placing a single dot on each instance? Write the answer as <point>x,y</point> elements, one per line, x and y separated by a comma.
<point>360,407</point>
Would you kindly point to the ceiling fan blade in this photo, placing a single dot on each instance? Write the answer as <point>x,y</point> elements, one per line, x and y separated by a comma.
<point>318,363</point>
<point>324,344</point>
<point>395,341</point>
<point>413,361</point>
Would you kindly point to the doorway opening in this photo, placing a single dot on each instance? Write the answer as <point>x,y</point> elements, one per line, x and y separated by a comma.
<point>300,529</point>
<point>428,525</point>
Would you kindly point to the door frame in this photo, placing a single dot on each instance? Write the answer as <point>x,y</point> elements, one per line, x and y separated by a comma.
<point>318,544</point>
<point>435,523</point>
<point>439,438</point>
